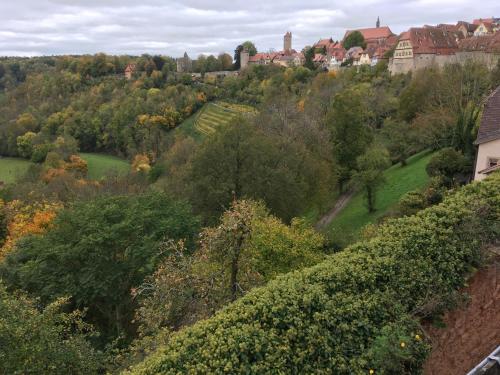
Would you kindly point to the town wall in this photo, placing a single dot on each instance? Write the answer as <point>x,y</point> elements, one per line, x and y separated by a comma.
<point>421,61</point>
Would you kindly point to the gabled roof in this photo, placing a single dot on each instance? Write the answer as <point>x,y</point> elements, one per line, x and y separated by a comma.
<point>373,33</point>
<point>470,27</point>
<point>324,43</point>
<point>489,130</point>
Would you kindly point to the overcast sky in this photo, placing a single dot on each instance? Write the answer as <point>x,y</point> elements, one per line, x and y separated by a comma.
<point>170,27</point>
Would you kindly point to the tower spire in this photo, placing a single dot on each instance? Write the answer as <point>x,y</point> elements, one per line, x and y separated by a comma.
<point>378,22</point>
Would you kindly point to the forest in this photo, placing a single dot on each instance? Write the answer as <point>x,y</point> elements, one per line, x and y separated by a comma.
<point>204,254</point>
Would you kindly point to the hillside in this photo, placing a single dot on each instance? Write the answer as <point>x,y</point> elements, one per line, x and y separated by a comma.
<point>398,181</point>
<point>99,165</point>
<point>352,312</point>
<point>11,168</point>
<point>211,117</point>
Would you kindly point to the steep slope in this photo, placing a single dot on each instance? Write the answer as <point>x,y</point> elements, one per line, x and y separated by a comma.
<point>353,312</point>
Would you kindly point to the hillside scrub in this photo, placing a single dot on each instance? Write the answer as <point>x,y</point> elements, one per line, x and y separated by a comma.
<point>354,312</point>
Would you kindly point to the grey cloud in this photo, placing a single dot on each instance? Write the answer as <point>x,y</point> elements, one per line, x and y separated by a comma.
<point>47,27</point>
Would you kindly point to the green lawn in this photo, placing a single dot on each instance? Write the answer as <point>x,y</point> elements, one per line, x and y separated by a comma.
<point>211,117</point>
<point>99,165</point>
<point>399,180</point>
<point>12,168</point>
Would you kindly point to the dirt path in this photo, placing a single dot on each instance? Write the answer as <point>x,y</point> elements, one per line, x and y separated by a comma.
<point>339,206</point>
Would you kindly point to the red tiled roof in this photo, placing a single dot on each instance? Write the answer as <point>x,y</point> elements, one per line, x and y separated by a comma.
<point>373,33</point>
<point>481,20</point>
<point>484,43</point>
<point>262,56</point>
<point>489,130</point>
<point>324,43</point>
<point>432,40</point>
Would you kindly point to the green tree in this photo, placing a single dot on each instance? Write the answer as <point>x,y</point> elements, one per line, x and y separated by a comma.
<point>250,47</point>
<point>96,252</point>
<point>243,161</point>
<point>309,55</point>
<point>44,341</point>
<point>247,248</point>
<point>370,173</point>
<point>400,145</point>
<point>25,144</point>
<point>354,39</point>
<point>350,133</point>
<point>237,57</point>
<point>225,61</point>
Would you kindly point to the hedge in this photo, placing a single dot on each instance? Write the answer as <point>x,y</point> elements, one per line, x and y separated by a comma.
<point>353,313</point>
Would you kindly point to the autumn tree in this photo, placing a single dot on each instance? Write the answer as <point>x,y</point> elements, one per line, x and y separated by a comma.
<point>113,242</point>
<point>247,248</point>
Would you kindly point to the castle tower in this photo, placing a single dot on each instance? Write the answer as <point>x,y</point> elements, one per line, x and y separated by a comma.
<point>287,45</point>
<point>244,58</point>
<point>378,22</point>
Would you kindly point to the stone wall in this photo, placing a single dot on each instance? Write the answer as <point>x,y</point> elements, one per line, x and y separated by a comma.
<point>420,61</point>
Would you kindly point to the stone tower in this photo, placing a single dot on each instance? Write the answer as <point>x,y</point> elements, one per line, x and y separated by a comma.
<point>184,64</point>
<point>287,45</point>
<point>378,22</point>
<point>244,58</point>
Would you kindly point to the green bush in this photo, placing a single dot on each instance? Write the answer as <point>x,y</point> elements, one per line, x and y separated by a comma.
<point>344,315</point>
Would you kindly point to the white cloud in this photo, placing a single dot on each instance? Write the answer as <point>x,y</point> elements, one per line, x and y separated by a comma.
<point>171,27</point>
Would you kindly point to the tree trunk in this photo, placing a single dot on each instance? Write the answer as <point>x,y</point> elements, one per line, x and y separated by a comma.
<point>370,198</point>
<point>235,268</point>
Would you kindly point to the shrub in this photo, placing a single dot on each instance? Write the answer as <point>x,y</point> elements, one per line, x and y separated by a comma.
<point>447,164</point>
<point>46,341</point>
<point>340,315</point>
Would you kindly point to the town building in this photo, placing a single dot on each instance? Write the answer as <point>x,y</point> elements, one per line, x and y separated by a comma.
<point>287,57</point>
<point>488,138</point>
<point>421,47</point>
<point>377,36</point>
<point>184,64</point>
<point>467,29</point>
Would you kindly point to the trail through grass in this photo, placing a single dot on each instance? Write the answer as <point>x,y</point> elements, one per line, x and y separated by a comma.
<point>399,180</point>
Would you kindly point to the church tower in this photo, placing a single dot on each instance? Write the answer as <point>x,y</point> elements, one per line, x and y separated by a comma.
<point>287,42</point>
<point>378,22</point>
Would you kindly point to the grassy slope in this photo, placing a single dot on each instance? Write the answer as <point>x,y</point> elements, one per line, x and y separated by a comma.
<point>99,165</point>
<point>399,180</point>
<point>11,168</point>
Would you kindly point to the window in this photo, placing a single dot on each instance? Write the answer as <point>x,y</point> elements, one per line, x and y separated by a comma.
<point>492,162</point>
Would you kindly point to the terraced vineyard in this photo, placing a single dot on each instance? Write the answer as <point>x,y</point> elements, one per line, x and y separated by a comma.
<point>214,115</point>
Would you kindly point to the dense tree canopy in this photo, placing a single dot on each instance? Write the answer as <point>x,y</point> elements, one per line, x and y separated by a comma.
<point>96,252</point>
